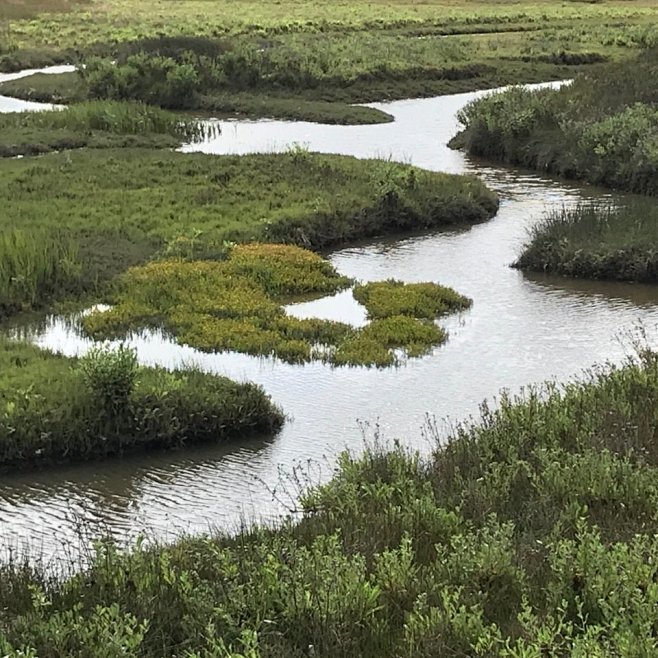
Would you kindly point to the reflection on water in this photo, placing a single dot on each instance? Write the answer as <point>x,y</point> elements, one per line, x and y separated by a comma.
<point>521,329</point>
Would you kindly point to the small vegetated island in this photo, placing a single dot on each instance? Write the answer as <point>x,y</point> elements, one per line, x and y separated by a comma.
<point>601,129</point>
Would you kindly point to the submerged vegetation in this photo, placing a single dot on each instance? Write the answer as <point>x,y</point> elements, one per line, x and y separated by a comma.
<point>120,207</point>
<point>95,124</point>
<point>532,532</point>
<point>55,410</point>
<point>602,129</point>
<point>597,241</point>
<point>235,304</point>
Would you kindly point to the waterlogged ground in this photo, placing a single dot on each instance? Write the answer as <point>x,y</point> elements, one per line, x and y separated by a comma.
<point>520,330</point>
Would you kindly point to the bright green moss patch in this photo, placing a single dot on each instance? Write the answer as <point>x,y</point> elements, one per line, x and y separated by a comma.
<point>235,304</point>
<point>384,299</point>
<point>54,409</point>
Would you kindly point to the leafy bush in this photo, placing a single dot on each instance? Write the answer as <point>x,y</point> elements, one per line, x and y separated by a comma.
<point>110,374</point>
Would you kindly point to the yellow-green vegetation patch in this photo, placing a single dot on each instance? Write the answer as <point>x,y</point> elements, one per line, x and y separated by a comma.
<point>384,299</point>
<point>236,305</point>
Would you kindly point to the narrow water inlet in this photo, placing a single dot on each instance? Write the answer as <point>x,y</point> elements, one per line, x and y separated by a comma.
<point>520,330</point>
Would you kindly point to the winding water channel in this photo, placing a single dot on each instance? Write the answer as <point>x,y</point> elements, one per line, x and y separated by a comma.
<point>520,330</point>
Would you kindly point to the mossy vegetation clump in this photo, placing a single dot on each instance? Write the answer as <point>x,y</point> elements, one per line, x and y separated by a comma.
<point>57,410</point>
<point>236,304</point>
<point>596,241</point>
<point>384,299</point>
<point>602,128</point>
<point>106,211</point>
<point>531,532</point>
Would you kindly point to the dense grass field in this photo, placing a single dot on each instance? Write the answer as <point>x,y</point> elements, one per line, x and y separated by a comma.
<point>104,211</point>
<point>532,533</point>
<point>55,410</point>
<point>309,60</point>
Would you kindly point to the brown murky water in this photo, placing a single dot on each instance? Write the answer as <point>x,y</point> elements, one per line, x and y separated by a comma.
<point>520,330</point>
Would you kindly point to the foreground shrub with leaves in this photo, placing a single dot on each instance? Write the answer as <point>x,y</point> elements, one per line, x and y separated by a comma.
<point>531,533</point>
<point>603,128</point>
<point>54,409</point>
<point>236,304</point>
<point>597,241</point>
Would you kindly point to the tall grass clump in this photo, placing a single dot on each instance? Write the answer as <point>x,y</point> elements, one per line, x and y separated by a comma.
<point>58,410</point>
<point>603,128</point>
<point>35,267</point>
<point>596,241</point>
<point>531,532</point>
<point>121,118</point>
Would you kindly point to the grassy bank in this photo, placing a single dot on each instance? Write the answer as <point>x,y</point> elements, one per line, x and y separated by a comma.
<point>119,208</point>
<point>94,124</point>
<point>236,304</point>
<point>533,532</point>
<point>55,410</point>
<point>596,241</point>
<point>601,129</point>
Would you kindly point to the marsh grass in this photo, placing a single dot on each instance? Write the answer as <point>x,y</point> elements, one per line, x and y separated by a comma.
<point>122,207</point>
<point>532,530</point>
<point>597,241</point>
<point>601,129</point>
<point>58,410</point>
<point>95,124</point>
<point>384,299</point>
<point>36,267</point>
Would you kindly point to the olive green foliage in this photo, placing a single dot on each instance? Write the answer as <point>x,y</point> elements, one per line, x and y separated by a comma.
<point>96,124</point>
<point>119,208</point>
<point>531,533</point>
<point>235,304</point>
<point>56,410</point>
<point>384,299</point>
<point>597,241</point>
<point>34,267</point>
<point>603,128</point>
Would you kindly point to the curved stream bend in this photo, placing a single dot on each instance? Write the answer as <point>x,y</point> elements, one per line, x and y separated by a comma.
<point>520,330</point>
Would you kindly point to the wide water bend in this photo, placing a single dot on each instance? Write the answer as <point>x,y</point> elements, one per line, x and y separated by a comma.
<point>520,330</point>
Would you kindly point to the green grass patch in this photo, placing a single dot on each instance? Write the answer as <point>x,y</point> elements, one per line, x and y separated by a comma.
<point>596,241</point>
<point>384,299</point>
<point>534,527</point>
<point>235,304</point>
<point>602,128</point>
<point>94,124</point>
<point>124,207</point>
<point>56,410</point>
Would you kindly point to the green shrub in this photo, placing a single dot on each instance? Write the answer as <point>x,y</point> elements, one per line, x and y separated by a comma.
<point>110,374</point>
